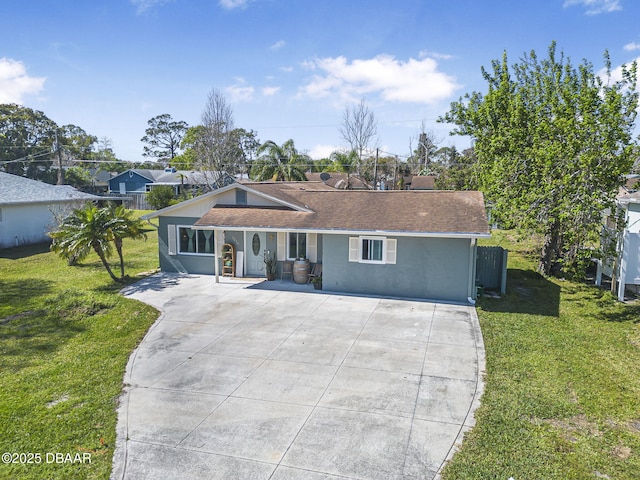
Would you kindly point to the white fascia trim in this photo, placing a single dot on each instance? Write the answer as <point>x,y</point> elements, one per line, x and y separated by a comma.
<point>178,206</point>
<point>365,233</point>
<point>218,191</point>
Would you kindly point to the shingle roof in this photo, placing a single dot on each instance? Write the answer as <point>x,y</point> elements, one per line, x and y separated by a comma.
<point>187,177</point>
<point>16,190</point>
<point>402,211</point>
<point>424,182</point>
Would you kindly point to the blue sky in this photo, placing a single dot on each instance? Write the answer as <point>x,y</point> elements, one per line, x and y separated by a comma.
<point>287,68</point>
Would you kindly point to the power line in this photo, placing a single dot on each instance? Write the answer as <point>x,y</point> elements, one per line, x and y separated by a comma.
<point>28,157</point>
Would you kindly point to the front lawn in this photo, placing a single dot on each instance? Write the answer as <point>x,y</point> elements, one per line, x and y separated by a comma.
<point>562,398</point>
<point>65,337</point>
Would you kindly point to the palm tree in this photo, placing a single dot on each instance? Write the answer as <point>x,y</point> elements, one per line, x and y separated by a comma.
<point>85,229</point>
<point>343,162</point>
<point>279,163</point>
<point>123,225</point>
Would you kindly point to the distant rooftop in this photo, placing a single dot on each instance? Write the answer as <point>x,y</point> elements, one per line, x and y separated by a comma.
<point>15,190</point>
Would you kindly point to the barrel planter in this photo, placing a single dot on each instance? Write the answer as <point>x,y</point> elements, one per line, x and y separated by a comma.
<point>301,271</point>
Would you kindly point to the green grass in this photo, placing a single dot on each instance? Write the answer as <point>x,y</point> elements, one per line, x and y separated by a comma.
<point>65,337</point>
<point>562,397</point>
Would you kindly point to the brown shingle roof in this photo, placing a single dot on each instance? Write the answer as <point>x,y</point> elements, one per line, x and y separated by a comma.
<point>402,211</point>
<point>424,182</point>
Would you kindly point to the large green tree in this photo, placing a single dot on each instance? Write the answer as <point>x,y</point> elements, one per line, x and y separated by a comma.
<point>163,137</point>
<point>26,142</point>
<point>553,142</point>
<point>280,162</point>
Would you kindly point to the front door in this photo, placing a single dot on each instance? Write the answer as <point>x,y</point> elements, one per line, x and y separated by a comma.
<point>257,244</point>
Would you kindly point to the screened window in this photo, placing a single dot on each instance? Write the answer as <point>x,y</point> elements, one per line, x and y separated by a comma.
<point>195,241</point>
<point>381,250</point>
<point>371,250</point>
<point>297,245</point>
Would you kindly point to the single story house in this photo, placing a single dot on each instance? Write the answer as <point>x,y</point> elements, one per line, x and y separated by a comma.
<point>626,270</point>
<point>29,208</point>
<point>419,244</point>
<point>140,181</point>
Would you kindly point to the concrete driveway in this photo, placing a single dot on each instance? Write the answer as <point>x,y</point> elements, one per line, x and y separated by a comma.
<point>237,382</point>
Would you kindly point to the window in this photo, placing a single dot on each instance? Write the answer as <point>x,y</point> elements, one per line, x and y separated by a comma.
<point>371,249</point>
<point>297,246</point>
<point>380,250</point>
<point>195,241</point>
<point>241,197</point>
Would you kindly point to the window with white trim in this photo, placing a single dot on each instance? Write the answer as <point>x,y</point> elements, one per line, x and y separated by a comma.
<point>197,242</point>
<point>296,245</point>
<point>371,249</point>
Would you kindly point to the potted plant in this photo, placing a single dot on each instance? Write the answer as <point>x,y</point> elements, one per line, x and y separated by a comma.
<point>271,265</point>
<point>317,282</point>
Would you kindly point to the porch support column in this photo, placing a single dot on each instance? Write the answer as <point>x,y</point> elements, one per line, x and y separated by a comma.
<point>622,274</point>
<point>216,262</point>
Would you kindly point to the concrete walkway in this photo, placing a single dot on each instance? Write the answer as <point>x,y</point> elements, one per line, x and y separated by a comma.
<point>243,383</point>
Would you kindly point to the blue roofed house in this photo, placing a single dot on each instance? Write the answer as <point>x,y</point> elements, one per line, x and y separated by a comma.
<point>418,244</point>
<point>141,181</point>
<point>29,208</point>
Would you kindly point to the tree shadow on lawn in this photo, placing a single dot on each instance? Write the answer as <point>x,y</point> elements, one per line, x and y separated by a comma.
<point>626,313</point>
<point>528,292</point>
<point>17,295</point>
<point>30,337</point>
<point>35,327</point>
<point>24,251</point>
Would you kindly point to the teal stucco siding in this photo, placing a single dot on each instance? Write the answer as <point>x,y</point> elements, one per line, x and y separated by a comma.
<point>185,263</point>
<point>429,268</point>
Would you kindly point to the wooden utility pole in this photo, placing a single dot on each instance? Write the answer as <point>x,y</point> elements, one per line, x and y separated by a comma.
<point>60,172</point>
<point>375,171</point>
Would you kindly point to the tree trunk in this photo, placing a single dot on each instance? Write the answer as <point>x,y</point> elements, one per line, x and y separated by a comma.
<point>118,243</point>
<point>105,263</point>
<point>550,250</point>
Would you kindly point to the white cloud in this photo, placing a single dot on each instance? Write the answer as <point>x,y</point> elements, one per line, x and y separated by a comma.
<point>278,45</point>
<point>630,47</point>
<point>413,81</point>
<point>231,4</point>
<point>596,7</point>
<point>240,92</point>
<point>322,151</point>
<point>270,91</point>
<point>142,6</point>
<point>15,83</point>
<point>436,55</point>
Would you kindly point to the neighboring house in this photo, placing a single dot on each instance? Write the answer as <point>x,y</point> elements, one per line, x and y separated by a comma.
<point>140,181</point>
<point>29,208</point>
<point>626,270</point>
<point>100,180</point>
<point>423,182</point>
<point>391,243</point>
<point>340,181</point>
